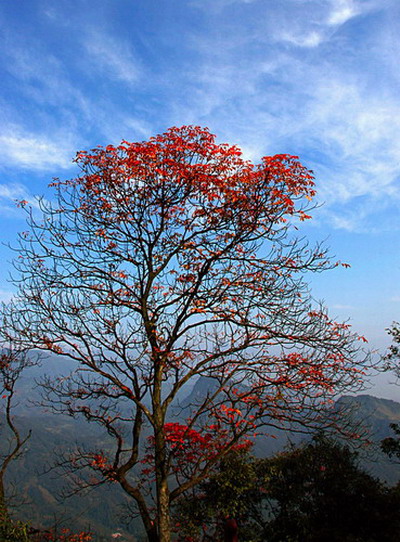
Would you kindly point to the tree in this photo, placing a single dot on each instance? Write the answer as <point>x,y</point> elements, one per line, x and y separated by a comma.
<point>332,499</point>
<point>12,363</point>
<point>314,492</point>
<point>235,489</point>
<point>165,261</point>
<point>391,445</point>
<point>393,355</point>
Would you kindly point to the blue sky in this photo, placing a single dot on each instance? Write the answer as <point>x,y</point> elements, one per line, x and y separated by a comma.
<point>315,78</point>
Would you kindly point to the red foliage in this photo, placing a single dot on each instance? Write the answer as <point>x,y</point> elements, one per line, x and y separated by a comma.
<point>224,185</point>
<point>188,447</point>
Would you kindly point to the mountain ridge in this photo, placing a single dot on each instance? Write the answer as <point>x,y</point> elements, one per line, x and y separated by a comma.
<point>51,432</point>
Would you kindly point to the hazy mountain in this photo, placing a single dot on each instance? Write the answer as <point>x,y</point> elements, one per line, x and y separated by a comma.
<point>100,508</point>
<point>375,414</point>
<point>30,478</point>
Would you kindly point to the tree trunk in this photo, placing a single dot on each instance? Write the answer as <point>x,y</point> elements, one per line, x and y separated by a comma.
<point>160,458</point>
<point>4,516</point>
<point>164,528</point>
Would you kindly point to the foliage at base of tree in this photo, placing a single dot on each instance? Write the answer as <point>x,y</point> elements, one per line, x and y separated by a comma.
<point>321,493</point>
<point>313,493</point>
<point>391,445</point>
<point>232,492</point>
<point>18,531</point>
<point>13,531</point>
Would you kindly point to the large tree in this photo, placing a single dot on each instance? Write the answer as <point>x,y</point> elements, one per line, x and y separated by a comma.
<point>162,262</point>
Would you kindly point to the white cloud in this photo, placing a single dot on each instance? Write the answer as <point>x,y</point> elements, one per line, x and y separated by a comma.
<point>343,11</point>
<point>43,77</point>
<point>334,106</point>
<point>112,56</point>
<point>36,152</point>
<point>13,191</point>
<point>338,306</point>
<point>358,131</point>
<point>314,23</point>
<point>311,39</point>
<point>62,114</point>
<point>217,6</point>
<point>119,125</point>
<point>294,79</point>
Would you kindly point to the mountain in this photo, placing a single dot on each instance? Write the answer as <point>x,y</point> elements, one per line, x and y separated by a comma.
<point>27,388</point>
<point>30,478</point>
<point>377,412</point>
<point>101,508</point>
<point>376,415</point>
<point>369,415</point>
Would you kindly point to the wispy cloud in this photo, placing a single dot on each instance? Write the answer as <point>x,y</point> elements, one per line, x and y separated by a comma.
<point>112,56</point>
<point>11,195</point>
<point>33,151</point>
<point>321,24</point>
<point>336,111</point>
<point>294,79</point>
<point>343,11</point>
<point>311,39</point>
<point>13,191</point>
<point>43,77</point>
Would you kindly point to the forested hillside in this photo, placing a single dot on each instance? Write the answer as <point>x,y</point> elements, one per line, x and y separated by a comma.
<point>102,509</point>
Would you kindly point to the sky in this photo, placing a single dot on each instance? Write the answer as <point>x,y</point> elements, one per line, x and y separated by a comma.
<point>314,78</point>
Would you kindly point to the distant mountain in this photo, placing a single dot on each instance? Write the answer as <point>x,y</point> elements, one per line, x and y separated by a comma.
<point>30,479</point>
<point>196,394</point>
<point>28,390</point>
<point>371,414</point>
<point>100,508</point>
<point>376,414</point>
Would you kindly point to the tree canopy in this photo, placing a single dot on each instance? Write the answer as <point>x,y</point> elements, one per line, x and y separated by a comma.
<point>168,260</point>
